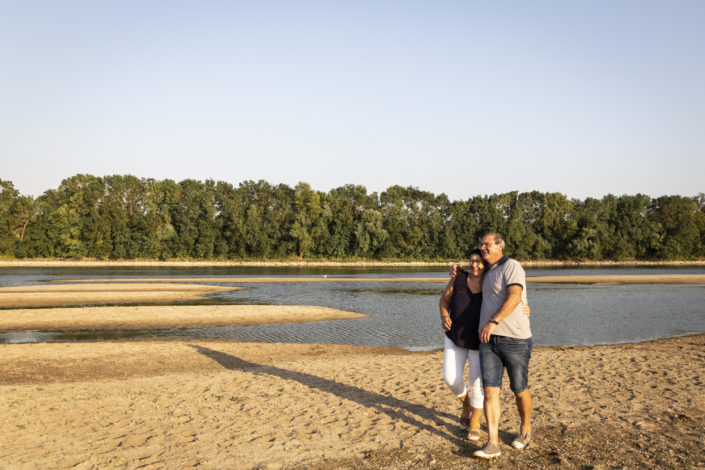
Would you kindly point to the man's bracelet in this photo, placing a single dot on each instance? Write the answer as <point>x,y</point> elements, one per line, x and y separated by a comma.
<point>492,320</point>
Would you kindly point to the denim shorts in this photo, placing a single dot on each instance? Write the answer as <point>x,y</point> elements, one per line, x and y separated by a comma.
<point>512,353</point>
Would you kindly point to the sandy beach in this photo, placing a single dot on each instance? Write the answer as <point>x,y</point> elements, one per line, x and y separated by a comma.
<point>219,404</point>
<point>223,404</point>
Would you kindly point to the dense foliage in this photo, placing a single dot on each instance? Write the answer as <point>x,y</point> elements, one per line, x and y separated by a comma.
<point>124,217</point>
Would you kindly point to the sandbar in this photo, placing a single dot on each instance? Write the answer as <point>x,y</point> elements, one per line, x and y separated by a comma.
<point>131,317</point>
<point>614,279</point>
<point>582,279</point>
<point>103,293</point>
<point>263,280</point>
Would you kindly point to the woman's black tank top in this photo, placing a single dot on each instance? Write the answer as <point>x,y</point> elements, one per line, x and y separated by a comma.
<point>464,313</point>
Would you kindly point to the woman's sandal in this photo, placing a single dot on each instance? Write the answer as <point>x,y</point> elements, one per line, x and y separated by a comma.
<point>474,434</point>
<point>464,423</point>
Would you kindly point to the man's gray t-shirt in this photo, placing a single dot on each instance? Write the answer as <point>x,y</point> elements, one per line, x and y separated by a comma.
<point>498,278</point>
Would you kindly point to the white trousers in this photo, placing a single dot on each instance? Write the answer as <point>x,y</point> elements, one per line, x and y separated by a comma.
<point>454,358</point>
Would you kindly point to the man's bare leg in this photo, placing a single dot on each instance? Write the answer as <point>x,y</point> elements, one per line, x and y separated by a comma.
<point>524,405</point>
<point>492,413</point>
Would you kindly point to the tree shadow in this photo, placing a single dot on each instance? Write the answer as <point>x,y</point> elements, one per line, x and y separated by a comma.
<point>399,410</point>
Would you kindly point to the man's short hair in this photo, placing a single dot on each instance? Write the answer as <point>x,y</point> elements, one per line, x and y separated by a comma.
<point>497,239</point>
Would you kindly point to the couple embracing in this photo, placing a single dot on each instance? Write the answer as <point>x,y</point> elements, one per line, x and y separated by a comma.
<point>485,315</point>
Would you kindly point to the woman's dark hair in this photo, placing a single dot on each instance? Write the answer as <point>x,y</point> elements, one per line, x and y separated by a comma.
<point>476,251</point>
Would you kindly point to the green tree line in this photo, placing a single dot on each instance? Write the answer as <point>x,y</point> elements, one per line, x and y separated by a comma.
<point>125,217</point>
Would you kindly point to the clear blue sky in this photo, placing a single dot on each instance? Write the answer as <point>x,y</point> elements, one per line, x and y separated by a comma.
<point>468,97</point>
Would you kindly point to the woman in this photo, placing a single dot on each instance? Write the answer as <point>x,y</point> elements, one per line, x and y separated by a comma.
<point>460,317</point>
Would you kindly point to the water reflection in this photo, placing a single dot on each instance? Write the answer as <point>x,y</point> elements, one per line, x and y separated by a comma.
<point>392,291</point>
<point>11,337</point>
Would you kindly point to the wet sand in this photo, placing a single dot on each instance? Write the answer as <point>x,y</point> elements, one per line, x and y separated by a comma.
<point>220,404</point>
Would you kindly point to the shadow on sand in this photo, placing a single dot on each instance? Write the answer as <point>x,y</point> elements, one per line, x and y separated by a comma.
<point>399,410</point>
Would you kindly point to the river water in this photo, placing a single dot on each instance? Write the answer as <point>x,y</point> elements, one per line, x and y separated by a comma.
<point>405,314</point>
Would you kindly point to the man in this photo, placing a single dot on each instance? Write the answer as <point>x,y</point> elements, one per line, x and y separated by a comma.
<point>505,342</point>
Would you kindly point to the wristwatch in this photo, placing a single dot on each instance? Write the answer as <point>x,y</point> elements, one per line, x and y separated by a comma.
<point>492,320</point>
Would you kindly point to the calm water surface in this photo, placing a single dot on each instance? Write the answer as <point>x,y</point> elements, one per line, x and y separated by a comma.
<point>406,314</point>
